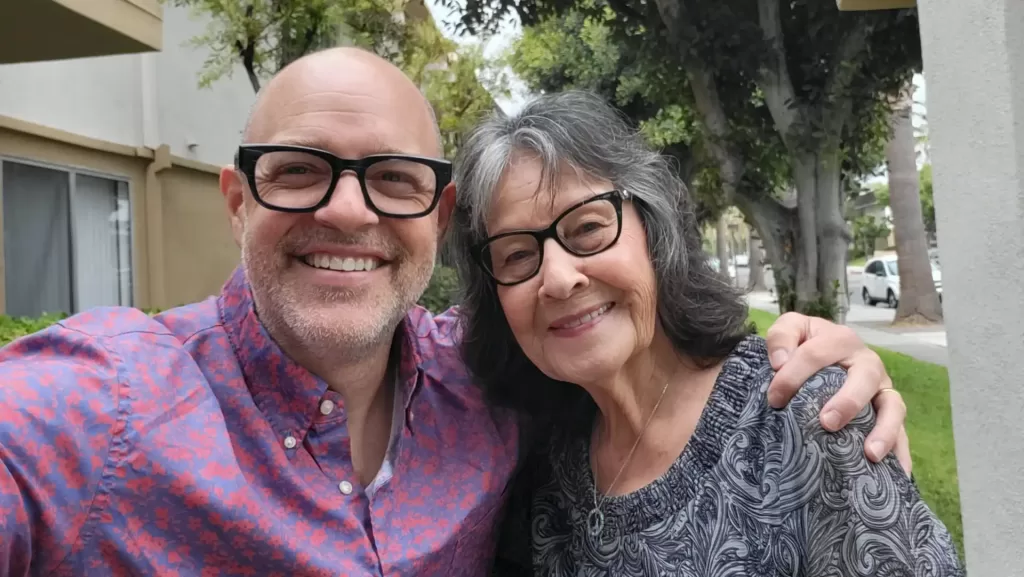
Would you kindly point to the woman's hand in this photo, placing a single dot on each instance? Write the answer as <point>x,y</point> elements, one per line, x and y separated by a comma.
<point>799,346</point>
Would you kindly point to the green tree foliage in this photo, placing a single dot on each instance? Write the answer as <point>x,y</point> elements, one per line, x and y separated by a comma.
<point>784,92</point>
<point>866,231</point>
<point>442,291</point>
<point>457,80</point>
<point>264,36</point>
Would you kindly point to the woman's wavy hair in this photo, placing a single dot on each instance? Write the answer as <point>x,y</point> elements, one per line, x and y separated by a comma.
<point>704,316</point>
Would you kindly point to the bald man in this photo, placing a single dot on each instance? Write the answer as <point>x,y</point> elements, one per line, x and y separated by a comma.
<point>310,419</point>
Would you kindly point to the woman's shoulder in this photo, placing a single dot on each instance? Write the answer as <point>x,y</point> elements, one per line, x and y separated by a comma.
<point>748,373</point>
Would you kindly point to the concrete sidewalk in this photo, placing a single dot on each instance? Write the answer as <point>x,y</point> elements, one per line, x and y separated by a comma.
<point>872,325</point>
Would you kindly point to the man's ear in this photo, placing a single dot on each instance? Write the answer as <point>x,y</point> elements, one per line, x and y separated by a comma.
<point>233,189</point>
<point>444,209</point>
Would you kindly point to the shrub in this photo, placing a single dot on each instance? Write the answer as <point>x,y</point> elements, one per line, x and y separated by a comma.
<point>15,327</point>
<point>442,290</point>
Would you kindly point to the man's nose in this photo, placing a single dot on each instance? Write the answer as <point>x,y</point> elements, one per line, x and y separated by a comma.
<point>347,208</point>
<point>559,273</point>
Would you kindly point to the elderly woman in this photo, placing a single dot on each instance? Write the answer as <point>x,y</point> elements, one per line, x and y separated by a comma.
<point>590,306</point>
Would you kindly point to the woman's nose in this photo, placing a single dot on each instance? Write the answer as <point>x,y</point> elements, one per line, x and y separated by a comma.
<point>559,272</point>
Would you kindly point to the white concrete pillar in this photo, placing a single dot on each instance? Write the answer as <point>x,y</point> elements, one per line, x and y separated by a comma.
<point>974,70</point>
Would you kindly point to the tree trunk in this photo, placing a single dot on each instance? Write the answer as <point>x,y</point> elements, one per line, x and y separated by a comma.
<point>778,229</point>
<point>833,235</point>
<point>821,283</point>
<point>755,262</point>
<point>722,245</point>
<point>919,301</point>
<point>805,177</point>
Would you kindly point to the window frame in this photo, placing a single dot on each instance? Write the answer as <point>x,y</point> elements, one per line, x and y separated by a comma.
<point>71,171</point>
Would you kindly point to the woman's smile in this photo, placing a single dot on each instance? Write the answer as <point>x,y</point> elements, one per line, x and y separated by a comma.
<point>576,324</point>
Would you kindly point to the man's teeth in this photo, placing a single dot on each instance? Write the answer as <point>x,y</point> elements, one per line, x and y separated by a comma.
<point>346,264</point>
<point>587,317</point>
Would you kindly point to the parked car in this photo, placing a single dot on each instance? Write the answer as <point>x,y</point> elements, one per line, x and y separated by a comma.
<point>881,281</point>
<point>718,268</point>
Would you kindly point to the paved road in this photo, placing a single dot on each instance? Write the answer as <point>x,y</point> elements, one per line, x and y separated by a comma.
<point>872,323</point>
<point>859,312</point>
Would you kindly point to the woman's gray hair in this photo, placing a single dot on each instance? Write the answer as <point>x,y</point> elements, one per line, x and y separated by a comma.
<point>702,314</point>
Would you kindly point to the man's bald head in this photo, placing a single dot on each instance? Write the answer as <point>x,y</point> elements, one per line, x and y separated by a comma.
<point>338,67</point>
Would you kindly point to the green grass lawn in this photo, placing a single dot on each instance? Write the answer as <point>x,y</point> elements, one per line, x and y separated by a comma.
<point>858,261</point>
<point>925,389</point>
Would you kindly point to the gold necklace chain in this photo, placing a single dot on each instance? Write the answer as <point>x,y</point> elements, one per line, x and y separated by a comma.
<point>595,519</point>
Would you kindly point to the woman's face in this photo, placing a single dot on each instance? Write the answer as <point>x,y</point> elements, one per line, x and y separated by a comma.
<point>579,319</point>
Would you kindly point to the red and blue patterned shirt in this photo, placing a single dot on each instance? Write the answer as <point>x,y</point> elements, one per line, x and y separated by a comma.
<point>190,444</point>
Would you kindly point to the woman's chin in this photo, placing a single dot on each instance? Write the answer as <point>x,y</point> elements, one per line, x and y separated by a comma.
<point>584,368</point>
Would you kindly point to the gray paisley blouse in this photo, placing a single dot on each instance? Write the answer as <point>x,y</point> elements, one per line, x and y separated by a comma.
<point>757,491</point>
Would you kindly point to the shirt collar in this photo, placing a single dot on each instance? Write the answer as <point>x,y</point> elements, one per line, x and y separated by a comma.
<point>284,391</point>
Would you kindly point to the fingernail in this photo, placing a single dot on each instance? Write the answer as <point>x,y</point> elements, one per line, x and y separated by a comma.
<point>779,358</point>
<point>830,420</point>
<point>877,450</point>
<point>774,400</point>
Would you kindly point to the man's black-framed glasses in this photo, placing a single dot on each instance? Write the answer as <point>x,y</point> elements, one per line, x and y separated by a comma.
<point>585,229</point>
<point>300,179</point>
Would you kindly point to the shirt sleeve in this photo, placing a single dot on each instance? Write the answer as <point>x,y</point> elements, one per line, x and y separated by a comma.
<point>863,516</point>
<point>59,393</point>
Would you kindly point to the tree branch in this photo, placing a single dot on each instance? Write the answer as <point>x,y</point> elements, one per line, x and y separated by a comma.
<point>676,17</point>
<point>247,52</point>
<point>312,33</point>
<point>775,81</point>
<point>844,69</point>
<point>625,9</point>
<point>678,21</point>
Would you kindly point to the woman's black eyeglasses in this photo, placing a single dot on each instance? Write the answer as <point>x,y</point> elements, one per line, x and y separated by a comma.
<point>585,229</point>
<point>299,179</point>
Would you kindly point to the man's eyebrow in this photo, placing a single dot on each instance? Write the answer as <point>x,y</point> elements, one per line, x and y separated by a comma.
<point>374,147</point>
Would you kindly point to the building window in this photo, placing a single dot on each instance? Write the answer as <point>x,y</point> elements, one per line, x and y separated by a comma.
<point>67,240</point>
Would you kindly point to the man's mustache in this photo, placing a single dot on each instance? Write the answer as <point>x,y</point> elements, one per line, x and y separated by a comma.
<point>303,241</point>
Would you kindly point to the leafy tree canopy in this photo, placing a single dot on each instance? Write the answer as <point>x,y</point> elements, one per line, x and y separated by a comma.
<point>841,67</point>
<point>266,35</point>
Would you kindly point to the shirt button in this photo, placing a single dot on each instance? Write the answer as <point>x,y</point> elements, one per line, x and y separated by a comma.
<point>289,442</point>
<point>345,487</point>
<point>326,407</point>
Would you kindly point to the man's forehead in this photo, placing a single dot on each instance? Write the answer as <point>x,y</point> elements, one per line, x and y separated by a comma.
<point>344,125</point>
<point>346,101</point>
<point>365,143</point>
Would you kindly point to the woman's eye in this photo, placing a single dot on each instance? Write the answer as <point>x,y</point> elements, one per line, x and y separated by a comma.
<point>518,255</point>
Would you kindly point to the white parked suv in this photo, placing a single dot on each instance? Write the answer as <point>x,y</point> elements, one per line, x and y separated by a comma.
<point>881,281</point>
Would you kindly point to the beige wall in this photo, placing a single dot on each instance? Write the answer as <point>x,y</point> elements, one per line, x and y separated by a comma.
<point>199,250</point>
<point>182,248</point>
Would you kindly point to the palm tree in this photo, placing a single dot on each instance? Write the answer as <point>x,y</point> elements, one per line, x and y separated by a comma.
<point>918,301</point>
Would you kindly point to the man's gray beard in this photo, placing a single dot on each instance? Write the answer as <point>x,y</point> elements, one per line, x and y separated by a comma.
<point>290,322</point>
